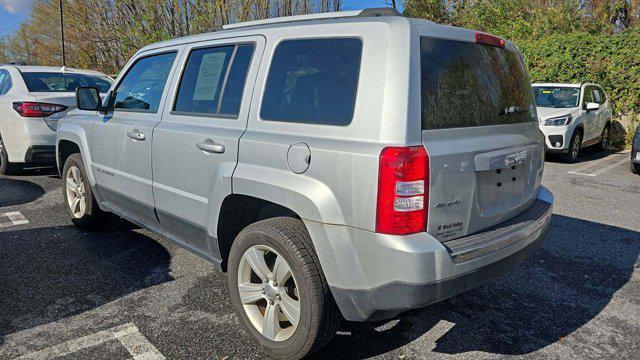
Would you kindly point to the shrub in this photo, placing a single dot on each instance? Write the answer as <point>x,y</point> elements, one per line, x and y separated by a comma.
<point>610,60</point>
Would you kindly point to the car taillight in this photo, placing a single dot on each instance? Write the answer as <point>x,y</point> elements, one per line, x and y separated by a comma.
<point>37,109</point>
<point>403,190</point>
<point>482,38</point>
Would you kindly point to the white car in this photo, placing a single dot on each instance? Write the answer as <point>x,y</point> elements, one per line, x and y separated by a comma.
<point>573,116</point>
<point>32,100</point>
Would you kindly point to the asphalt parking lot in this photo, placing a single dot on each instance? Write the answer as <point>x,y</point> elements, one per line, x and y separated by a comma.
<point>126,293</point>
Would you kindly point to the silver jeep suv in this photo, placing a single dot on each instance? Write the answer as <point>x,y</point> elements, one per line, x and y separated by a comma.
<point>354,164</point>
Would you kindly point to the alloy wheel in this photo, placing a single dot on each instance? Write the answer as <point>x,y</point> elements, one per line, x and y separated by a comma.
<point>269,292</point>
<point>576,147</point>
<point>76,195</point>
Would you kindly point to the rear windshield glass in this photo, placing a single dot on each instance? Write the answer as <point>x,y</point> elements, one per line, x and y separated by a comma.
<point>59,82</point>
<point>556,97</point>
<point>467,84</point>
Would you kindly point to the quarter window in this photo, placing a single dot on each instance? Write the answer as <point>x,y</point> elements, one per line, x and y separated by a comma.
<point>313,81</point>
<point>213,80</point>
<point>5,82</point>
<point>143,85</point>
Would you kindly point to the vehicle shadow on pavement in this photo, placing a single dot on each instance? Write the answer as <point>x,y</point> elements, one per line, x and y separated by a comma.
<point>587,154</point>
<point>564,285</point>
<point>48,274</point>
<point>16,192</point>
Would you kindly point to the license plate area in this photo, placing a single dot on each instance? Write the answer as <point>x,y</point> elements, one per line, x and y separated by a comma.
<point>500,185</point>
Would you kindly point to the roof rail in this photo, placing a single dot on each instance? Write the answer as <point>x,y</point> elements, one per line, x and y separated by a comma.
<point>372,12</point>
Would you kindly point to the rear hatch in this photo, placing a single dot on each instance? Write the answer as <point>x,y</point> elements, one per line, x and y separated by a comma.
<point>479,126</point>
<point>67,99</point>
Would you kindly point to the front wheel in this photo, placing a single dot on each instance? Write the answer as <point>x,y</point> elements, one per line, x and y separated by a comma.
<point>278,289</point>
<point>78,196</point>
<point>573,155</point>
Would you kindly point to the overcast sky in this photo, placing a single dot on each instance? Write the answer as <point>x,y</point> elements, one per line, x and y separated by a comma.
<point>12,12</point>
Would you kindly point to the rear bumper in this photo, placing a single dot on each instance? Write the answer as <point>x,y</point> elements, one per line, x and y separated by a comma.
<point>40,154</point>
<point>27,138</point>
<point>422,271</point>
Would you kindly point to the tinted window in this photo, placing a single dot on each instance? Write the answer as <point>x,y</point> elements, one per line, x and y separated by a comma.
<point>556,97</point>
<point>588,95</point>
<point>201,87</point>
<point>232,96</point>
<point>313,81</point>
<point>467,84</point>
<point>599,95</point>
<point>142,86</point>
<point>59,82</point>
<point>5,82</point>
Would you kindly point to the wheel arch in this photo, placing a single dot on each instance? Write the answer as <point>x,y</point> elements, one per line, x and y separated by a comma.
<point>72,138</point>
<point>239,211</point>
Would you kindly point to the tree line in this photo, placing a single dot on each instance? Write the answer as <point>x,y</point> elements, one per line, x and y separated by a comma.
<point>103,35</point>
<point>562,40</point>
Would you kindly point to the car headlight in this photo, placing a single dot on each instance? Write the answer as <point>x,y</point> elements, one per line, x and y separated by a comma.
<point>559,121</point>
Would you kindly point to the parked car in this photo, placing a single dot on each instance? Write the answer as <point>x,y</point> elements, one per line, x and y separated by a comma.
<point>32,100</point>
<point>635,152</point>
<point>354,164</point>
<point>573,116</point>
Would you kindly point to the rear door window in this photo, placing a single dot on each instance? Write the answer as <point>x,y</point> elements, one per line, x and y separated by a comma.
<point>143,85</point>
<point>213,80</point>
<point>466,84</point>
<point>313,81</point>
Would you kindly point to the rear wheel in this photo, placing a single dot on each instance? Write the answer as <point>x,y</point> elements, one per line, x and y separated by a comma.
<point>6,168</point>
<point>278,289</point>
<point>603,145</point>
<point>573,155</point>
<point>78,196</point>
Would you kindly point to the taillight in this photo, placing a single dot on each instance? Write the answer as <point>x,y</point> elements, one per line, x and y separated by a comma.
<point>482,38</point>
<point>37,109</point>
<point>403,190</point>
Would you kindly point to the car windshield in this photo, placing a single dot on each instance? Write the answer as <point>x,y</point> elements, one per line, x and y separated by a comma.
<point>556,97</point>
<point>61,82</point>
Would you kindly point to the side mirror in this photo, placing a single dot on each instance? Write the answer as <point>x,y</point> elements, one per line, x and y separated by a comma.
<point>88,98</point>
<point>592,106</point>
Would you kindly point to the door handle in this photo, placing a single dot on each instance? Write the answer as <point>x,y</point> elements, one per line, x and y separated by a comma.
<point>136,134</point>
<point>210,146</point>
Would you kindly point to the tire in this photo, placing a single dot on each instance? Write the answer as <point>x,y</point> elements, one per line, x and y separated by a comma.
<point>85,213</point>
<point>573,155</point>
<point>603,145</point>
<point>635,168</point>
<point>287,239</point>
<point>6,168</point>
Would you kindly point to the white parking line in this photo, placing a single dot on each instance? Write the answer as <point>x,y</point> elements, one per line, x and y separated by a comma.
<point>611,167</point>
<point>622,156</point>
<point>128,334</point>
<point>13,218</point>
<point>586,166</point>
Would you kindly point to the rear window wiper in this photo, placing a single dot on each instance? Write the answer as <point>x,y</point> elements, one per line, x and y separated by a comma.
<point>513,110</point>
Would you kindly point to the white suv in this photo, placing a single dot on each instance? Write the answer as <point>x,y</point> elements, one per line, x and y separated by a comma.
<point>573,116</point>
<point>32,100</point>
